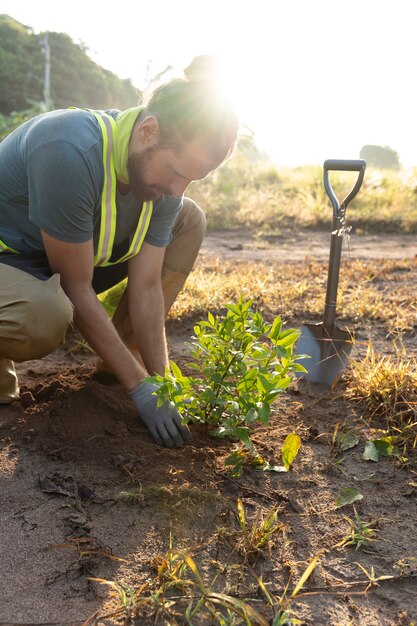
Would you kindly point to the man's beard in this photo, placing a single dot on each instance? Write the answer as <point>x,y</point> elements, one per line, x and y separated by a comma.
<point>136,166</point>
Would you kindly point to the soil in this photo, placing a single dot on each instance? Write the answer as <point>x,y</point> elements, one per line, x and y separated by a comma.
<point>86,494</point>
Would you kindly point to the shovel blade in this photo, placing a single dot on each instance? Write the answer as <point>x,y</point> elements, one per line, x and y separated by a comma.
<point>329,354</point>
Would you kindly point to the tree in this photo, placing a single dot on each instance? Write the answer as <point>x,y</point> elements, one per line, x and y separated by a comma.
<point>380,156</point>
<point>75,79</point>
<point>21,66</point>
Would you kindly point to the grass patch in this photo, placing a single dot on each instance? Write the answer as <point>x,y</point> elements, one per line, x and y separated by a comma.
<point>297,290</point>
<point>387,386</point>
<point>243,195</point>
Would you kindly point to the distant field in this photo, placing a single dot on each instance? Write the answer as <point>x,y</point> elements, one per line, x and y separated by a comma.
<point>240,195</point>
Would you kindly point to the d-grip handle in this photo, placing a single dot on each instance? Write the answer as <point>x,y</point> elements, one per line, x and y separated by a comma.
<point>343,165</point>
<point>337,226</point>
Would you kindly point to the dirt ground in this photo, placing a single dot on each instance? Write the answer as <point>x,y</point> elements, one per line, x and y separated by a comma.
<point>81,483</point>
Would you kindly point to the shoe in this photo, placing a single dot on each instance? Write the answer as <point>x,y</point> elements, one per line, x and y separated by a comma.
<point>9,386</point>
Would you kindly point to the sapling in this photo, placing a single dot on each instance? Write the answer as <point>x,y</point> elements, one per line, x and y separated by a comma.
<point>241,364</point>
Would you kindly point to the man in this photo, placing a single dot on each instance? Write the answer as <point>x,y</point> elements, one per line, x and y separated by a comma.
<point>88,198</point>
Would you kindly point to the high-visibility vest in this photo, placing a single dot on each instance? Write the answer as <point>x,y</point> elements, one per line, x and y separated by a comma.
<point>108,204</point>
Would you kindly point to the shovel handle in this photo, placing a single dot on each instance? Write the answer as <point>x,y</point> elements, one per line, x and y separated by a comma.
<point>339,210</point>
<point>343,165</point>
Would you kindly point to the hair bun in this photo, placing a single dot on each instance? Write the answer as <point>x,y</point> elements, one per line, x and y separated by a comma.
<point>203,68</point>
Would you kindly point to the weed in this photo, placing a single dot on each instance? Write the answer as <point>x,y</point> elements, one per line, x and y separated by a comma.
<point>125,594</point>
<point>211,600</point>
<point>344,438</point>
<point>171,570</point>
<point>177,571</point>
<point>283,615</point>
<point>359,533</point>
<point>373,580</point>
<point>256,538</point>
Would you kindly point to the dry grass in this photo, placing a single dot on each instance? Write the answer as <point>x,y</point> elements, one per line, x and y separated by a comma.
<point>387,386</point>
<point>242,195</point>
<point>369,292</point>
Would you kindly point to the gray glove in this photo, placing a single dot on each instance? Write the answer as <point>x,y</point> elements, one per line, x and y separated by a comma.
<point>164,422</point>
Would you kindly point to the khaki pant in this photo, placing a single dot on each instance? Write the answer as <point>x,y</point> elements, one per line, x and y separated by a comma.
<point>35,314</point>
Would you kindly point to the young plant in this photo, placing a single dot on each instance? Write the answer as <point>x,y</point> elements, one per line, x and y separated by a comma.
<point>283,614</point>
<point>255,538</point>
<point>359,533</point>
<point>241,364</point>
<point>241,456</point>
<point>220,608</point>
<point>373,580</point>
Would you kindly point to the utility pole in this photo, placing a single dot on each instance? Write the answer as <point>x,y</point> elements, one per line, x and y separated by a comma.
<point>47,101</point>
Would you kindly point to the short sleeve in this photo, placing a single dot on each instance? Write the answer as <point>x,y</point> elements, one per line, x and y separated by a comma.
<point>62,190</point>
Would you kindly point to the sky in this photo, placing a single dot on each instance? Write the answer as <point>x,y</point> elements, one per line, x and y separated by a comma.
<point>313,79</point>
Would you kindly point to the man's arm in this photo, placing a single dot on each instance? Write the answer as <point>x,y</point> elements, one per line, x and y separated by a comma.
<point>146,307</point>
<point>74,262</point>
<point>147,316</point>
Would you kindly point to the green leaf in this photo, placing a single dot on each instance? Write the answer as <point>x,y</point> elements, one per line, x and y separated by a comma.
<point>379,447</point>
<point>264,411</point>
<point>243,434</point>
<point>251,416</point>
<point>176,370</point>
<point>348,495</point>
<point>283,383</point>
<point>297,367</point>
<point>371,452</point>
<point>290,449</point>
<point>288,338</point>
<point>223,431</point>
<point>261,353</point>
<point>345,441</point>
<point>193,366</point>
<point>276,328</point>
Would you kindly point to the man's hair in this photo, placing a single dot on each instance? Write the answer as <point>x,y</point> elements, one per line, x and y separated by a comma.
<point>194,107</point>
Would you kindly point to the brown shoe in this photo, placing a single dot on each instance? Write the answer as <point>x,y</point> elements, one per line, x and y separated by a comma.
<point>9,386</point>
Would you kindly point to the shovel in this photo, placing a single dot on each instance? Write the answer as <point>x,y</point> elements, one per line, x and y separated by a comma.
<point>328,345</point>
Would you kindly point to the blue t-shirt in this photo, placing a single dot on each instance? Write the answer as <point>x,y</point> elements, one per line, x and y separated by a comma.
<point>51,178</point>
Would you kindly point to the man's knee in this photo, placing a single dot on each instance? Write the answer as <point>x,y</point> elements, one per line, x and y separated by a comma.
<point>187,237</point>
<point>34,316</point>
<point>191,218</point>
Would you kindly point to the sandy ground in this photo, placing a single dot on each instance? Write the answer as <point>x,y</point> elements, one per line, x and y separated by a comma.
<point>72,449</point>
<point>296,246</point>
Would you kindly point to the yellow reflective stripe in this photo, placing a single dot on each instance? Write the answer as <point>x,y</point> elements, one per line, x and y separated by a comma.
<point>140,233</point>
<point>108,197</point>
<point>5,248</point>
<point>108,202</point>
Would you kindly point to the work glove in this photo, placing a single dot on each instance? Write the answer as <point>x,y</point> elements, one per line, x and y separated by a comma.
<point>163,422</point>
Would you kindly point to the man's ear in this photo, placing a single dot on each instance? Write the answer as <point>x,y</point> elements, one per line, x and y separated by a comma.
<point>148,131</point>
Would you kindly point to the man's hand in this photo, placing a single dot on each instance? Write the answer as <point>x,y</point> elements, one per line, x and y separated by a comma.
<point>164,422</point>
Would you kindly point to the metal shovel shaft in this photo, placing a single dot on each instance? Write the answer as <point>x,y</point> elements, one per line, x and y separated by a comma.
<point>326,344</point>
<point>338,226</point>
